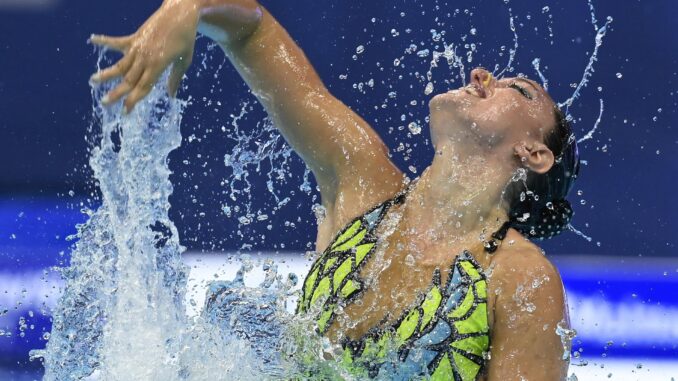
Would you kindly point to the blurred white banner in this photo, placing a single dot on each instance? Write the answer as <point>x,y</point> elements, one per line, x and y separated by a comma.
<point>28,4</point>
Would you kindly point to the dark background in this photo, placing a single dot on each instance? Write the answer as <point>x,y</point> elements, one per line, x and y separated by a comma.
<point>624,198</point>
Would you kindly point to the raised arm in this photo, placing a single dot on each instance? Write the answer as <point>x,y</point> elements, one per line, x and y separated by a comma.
<point>347,157</point>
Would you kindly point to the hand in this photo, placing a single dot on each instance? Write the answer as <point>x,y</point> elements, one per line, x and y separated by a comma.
<point>166,38</point>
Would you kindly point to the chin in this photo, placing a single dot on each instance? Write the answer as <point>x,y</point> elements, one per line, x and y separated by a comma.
<point>450,108</point>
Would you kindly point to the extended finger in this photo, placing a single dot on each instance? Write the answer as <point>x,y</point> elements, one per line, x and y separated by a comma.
<point>128,83</point>
<point>117,93</point>
<point>142,88</point>
<point>117,43</point>
<point>115,71</point>
<point>134,74</point>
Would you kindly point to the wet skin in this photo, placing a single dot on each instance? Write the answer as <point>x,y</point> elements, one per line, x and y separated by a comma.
<point>482,134</point>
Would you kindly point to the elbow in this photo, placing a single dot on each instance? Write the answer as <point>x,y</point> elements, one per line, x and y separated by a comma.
<point>230,23</point>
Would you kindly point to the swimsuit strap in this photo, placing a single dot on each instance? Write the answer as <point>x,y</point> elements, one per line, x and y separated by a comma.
<point>402,195</point>
<point>492,245</point>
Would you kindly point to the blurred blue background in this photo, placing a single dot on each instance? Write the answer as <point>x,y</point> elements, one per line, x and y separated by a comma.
<point>624,199</point>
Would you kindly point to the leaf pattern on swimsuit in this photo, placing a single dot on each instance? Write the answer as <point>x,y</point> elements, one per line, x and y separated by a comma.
<point>332,279</point>
<point>445,337</point>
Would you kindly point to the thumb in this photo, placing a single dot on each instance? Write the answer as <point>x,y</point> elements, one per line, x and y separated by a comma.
<point>179,68</point>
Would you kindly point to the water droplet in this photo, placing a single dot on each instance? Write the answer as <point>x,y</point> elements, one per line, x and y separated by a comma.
<point>409,260</point>
<point>423,53</point>
<point>320,212</point>
<point>429,88</point>
<point>414,128</point>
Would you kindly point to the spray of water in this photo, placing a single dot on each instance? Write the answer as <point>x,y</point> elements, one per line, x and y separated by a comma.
<point>121,315</point>
<point>252,148</point>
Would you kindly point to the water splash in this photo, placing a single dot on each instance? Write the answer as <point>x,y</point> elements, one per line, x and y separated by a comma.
<point>453,61</point>
<point>588,71</point>
<point>536,63</point>
<point>252,148</point>
<point>589,134</point>
<point>121,315</point>
<point>579,233</point>
<point>255,153</point>
<point>512,52</point>
<point>566,335</point>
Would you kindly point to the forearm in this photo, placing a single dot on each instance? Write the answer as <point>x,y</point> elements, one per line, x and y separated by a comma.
<point>264,54</point>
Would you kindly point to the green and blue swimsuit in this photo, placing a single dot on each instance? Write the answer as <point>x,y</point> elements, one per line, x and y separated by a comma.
<point>444,335</point>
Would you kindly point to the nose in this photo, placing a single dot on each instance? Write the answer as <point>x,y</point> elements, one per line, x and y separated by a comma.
<point>483,80</point>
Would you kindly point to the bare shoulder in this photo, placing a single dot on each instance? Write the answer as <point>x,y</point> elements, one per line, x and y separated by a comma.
<point>518,258</point>
<point>521,278</point>
<point>527,306</point>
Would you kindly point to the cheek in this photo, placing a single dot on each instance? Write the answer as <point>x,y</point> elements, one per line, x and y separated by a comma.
<point>536,111</point>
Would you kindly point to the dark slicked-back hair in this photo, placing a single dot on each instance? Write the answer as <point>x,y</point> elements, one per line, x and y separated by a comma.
<point>537,204</point>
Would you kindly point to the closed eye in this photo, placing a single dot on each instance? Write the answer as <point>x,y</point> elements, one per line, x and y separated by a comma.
<point>521,90</point>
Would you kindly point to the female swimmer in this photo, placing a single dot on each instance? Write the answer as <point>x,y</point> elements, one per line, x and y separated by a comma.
<point>439,270</point>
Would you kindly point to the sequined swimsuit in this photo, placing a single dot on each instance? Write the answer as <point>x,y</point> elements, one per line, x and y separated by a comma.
<point>444,335</point>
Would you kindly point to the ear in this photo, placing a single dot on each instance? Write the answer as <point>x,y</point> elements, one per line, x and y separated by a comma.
<point>535,155</point>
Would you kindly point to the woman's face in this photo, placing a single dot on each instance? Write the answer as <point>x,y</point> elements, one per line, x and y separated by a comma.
<point>491,115</point>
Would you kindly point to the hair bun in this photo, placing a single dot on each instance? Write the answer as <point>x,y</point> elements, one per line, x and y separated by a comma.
<point>554,217</point>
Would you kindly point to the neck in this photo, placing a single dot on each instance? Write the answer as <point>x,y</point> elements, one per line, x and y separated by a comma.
<point>457,199</point>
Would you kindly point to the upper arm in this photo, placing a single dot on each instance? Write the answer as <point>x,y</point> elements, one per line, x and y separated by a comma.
<point>337,145</point>
<point>529,305</point>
